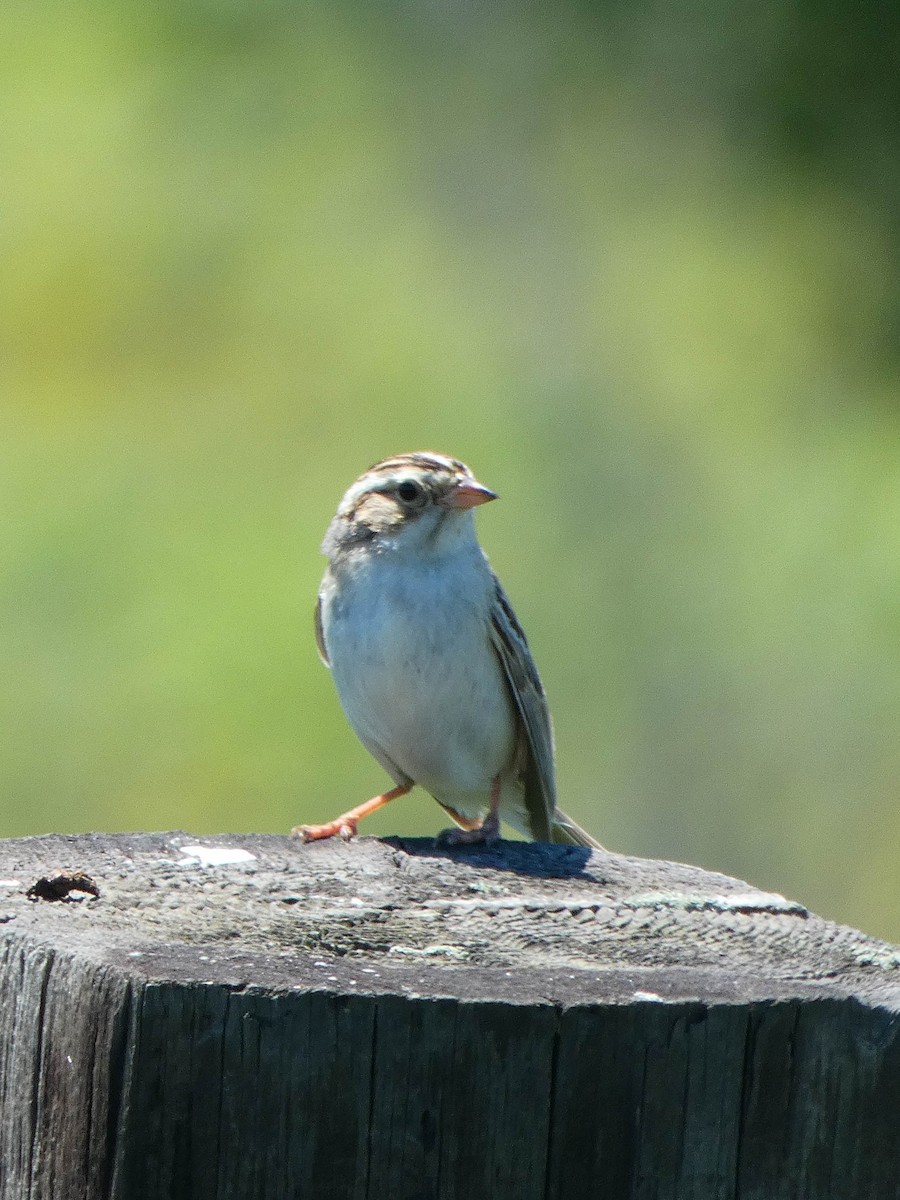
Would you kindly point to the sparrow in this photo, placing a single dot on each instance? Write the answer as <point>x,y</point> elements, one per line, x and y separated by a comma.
<point>431,666</point>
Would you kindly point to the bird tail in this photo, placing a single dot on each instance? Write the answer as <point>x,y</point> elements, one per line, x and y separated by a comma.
<point>567,832</point>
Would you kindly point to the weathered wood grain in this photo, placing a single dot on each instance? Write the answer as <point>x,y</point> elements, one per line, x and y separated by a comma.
<point>390,1019</point>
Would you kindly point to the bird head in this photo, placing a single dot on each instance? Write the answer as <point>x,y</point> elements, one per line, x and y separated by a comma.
<point>421,501</point>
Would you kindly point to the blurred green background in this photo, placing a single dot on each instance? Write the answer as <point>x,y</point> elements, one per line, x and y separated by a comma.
<point>638,265</point>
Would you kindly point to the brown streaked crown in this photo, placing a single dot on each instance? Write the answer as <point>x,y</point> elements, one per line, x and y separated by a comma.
<point>426,460</point>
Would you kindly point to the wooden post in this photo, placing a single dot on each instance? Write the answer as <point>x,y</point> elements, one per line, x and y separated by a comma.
<point>247,1017</point>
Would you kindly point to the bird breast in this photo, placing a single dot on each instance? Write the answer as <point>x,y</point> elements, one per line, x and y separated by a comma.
<point>409,647</point>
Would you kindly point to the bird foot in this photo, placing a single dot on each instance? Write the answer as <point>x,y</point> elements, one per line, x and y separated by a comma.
<point>343,827</point>
<point>484,834</point>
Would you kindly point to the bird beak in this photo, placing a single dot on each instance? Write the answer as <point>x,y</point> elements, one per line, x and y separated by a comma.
<point>468,493</point>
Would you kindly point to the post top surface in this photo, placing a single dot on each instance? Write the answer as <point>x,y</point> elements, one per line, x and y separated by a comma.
<point>516,922</point>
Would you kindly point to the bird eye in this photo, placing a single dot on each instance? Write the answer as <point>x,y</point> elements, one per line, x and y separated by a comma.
<point>408,491</point>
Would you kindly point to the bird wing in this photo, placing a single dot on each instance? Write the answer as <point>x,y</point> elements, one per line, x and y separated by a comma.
<point>320,636</point>
<point>538,771</point>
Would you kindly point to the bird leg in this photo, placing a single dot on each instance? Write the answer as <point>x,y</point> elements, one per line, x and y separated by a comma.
<point>485,833</point>
<point>345,824</point>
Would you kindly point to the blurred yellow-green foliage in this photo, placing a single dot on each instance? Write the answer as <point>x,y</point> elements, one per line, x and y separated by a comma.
<point>638,266</point>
